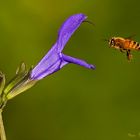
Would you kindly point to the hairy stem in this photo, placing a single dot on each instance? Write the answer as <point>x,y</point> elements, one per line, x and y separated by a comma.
<point>2,131</point>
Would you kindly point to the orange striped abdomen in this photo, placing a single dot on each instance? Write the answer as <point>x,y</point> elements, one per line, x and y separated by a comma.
<point>135,45</point>
<point>132,45</point>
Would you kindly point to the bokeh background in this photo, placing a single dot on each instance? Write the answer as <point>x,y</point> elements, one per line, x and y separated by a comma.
<point>74,103</point>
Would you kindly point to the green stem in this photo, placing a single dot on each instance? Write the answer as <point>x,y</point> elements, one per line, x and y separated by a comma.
<point>2,131</point>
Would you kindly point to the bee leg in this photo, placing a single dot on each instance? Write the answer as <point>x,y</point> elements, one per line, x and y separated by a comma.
<point>122,50</point>
<point>129,55</point>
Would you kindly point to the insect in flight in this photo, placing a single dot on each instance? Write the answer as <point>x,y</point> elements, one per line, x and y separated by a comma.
<point>124,45</point>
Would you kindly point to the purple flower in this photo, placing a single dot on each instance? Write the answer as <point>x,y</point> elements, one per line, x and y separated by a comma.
<point>54,60</point>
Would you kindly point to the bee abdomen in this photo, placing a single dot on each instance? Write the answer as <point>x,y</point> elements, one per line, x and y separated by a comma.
<point>136,45</point>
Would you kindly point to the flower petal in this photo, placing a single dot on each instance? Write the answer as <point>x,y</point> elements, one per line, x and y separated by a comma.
<point>68,28</point>
<point>54,60</point>
<point>46,66</point>
<point>77,61</point>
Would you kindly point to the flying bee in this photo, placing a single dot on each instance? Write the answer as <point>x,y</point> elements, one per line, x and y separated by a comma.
<point>124,45</point>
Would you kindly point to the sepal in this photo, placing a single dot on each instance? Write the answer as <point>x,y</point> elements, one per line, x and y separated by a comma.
<point>2,82</point>
<point>19,83</point>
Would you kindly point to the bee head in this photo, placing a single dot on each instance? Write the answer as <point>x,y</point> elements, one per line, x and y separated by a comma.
<point>112,42</point>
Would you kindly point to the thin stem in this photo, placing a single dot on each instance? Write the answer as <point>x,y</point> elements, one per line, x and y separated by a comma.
<point>2,131</point>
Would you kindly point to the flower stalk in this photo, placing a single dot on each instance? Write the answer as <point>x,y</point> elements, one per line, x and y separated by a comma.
<point>2,130</point>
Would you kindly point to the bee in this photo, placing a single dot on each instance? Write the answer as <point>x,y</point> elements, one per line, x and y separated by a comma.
<point>125,45</point>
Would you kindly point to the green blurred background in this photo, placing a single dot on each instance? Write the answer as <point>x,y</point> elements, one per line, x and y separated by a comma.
<point>74,103</point>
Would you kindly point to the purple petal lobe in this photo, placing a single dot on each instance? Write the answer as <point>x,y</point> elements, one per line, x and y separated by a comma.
<point>68,28</point>
<point>77,61</point>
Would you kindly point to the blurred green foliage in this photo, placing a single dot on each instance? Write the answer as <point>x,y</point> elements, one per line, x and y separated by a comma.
<point>74,103</point>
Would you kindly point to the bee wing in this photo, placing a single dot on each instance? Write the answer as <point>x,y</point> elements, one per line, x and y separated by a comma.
<point>131,36</point>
